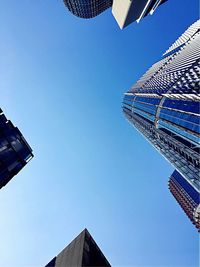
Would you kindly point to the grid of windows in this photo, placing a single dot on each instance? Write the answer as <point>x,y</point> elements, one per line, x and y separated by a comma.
<point>179,112</point>
<point>179,72</point>
<point>189,106</point>
<point>14,150</point>
<point>186,196</point>
<point>185,120</point>
<point>176,149</point>
<point>175,144</point>
<point>194,139</point>
<point>184,37</point>
<point>164,105</point>
<point>87,8</point>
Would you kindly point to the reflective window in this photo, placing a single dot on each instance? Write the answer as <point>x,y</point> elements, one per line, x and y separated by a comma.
<point>190,106</point>
<point>188,121</point>
<point>151,100</point>
<point>148,108</point>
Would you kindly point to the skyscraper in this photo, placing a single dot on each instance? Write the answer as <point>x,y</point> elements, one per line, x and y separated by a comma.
<point>187,196</point>
<point>164,105</point>
<point>124,11</point>
<point>82,251</point>
<point>14,150</point>
<point>87,8</point>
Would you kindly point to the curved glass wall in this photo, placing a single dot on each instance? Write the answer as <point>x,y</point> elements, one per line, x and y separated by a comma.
<point>87,8</point>
<point>164,105</point>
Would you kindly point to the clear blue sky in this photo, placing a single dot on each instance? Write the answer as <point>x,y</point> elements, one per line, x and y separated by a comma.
<point>62,81</point>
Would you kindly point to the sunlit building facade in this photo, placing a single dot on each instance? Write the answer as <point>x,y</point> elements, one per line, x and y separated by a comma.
<point>82,251</point>
<point>164,105</point>
<point>15,152</point>
<point>124,11</point>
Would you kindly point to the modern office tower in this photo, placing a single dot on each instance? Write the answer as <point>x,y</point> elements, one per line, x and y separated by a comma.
<point>164,105</point>
<point>82,251</point>
<point>14,150</point>
<point>87,8</point>
<point>187,196</point>
<point>127,11</point>
<point>124,11</point>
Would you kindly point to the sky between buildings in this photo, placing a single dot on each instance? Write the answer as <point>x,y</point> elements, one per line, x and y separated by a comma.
<point>62,81</point>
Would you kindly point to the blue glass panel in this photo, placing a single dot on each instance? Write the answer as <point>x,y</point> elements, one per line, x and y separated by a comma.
<point>186,186</point>
<point>129,97</point>
<point>145,115</point>
<point>127,103</point>
<point>188,121</point>
<point>148,108</point>
<point>151,100</point>
<point>190,106</point>
<point>186,135</point>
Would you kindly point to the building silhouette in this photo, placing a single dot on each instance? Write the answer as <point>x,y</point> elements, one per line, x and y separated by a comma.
<point>164,105</point>
<point>15,152</point>
<point>124,11</point>
<point>82,251</point>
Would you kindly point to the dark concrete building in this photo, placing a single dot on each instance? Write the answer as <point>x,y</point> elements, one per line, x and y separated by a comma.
<point>14,150</point>
<point>82,251</point>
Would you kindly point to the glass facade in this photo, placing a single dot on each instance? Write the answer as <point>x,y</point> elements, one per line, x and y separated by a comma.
<point>164,105</point>
<point>14,150</point>
<point>186,196</point>
<point>87,8</point>
<point>125,12</point>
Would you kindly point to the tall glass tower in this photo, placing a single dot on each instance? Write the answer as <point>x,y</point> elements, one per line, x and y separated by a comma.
<point>15,152</point>
<point>187,196</point>
<point>164,105</point>
<point>87,8</point>
<point>124,11</point>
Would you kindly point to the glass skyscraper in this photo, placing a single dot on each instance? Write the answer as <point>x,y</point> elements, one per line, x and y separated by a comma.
<point>164,106</point>
<point>15,152</point>
<point>187,196</point>
<point>124,11</point>
<point>87,8</point>
<point>82,251</point>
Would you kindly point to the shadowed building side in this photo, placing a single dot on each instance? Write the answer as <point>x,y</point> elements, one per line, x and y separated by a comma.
<point>81,252</point>
<point>15,152</point>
